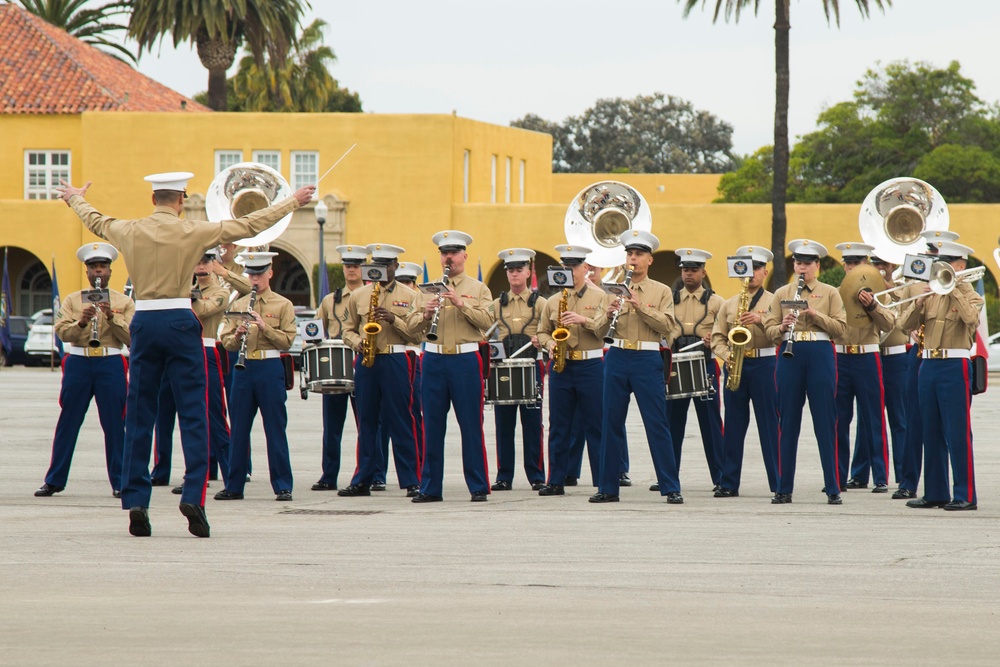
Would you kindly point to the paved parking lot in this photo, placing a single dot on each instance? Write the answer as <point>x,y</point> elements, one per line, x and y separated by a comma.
<point>519,579</point>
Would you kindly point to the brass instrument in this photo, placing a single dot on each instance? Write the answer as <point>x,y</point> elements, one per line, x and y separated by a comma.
<point>371,330</point>
<point>432,333</point>
<point>560,336</point>
<point>943,279</point>
<point>241,360</point>
<point>791,329</point>
<point>599,214</point>
<point>243,189</point>
<point>896,212</point>
<point>739,337</point>
<point>609,337</point>
<point>95,341</point>
<point>861,277</point>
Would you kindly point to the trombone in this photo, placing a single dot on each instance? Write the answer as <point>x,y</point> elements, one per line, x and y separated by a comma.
<point>943,279</point>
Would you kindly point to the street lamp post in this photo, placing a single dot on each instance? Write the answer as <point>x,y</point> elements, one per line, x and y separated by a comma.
<point>321,210</point>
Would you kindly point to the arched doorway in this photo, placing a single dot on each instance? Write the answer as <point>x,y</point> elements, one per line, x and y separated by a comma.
<point>290,278</point>
<point>30,282</point>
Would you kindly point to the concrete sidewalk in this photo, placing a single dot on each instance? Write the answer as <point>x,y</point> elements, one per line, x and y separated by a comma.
<point>519,579</point>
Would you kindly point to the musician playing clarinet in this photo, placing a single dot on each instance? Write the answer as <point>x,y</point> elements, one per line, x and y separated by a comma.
<point>811,369</point>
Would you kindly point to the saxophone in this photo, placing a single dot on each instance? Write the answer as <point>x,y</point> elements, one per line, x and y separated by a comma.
<point>371,329</point>
<point>739,336</point>
<point>560,336</point>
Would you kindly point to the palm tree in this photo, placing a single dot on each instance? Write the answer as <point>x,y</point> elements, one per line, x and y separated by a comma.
<point>218,29</point>
<point>90,25</point>
<point>779,194</point>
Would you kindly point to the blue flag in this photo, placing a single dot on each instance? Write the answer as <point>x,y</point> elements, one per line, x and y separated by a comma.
<point>479,277</point>
<point>5,305</point>
<point>56,304</point>
<point>324,281</point>
<point>427,278</point>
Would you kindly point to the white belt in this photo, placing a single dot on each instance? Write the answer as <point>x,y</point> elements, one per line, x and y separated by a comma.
<point>209,342</point>
<point>257,355</point>
<point>584,355</point>
<point>893,349</point>
<point>635,344</point>
<point>394,349</point>
<point>946,354</point>
<point>807,336</point>
<point>754,353</point>
<point>414,348</point>
<point>856,349</point>
<point>163,304</point>
<point>94,351</point>
<point>461,348</point>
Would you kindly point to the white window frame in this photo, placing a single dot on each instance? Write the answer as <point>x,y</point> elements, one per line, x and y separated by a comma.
<point>465,175</point>
<point>299,177</point>
<point>271,159</point>
<point>506,186</point>
<point>226,158</point>
<point>46,176</point>
<point>521,178</point>
<point>493,179</point>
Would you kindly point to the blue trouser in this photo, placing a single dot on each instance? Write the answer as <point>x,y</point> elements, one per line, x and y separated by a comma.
<point>259,386</point>
<point>334,416</point>
<point>575,404</point>
<point>532,438</point>
<point>227,379</point>
<point>383,393</point>
<point>709,422</point>
<point>945,399</point>
<point>163,433</point>
<point>165,342</point>
<point>383,435</point>
<point>84,378</point>
<point>453,379</point>
<point>894,370</point>
<point>638,372</point>
<point>756,385</point>
<point>913,453</point>
<point>811,373</point>
<point>860,376</point>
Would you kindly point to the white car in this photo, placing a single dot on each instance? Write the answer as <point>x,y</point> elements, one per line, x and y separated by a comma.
<point>993,346</point>
<point>39,344</point>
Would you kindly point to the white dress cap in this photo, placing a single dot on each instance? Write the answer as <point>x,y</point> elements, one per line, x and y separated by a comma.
<point>171,180</point>
<point>353,254</point>
<point>451,240</point>
<point>257,262</point>
<point>692,258</point>
<point>637,238</point>
<point>97,252</point>
<point>757,252</point>
<point>573,254</point>
<point>384,253</point>
<point>853,249</point>
<point>807,248</point>
<point>516,257</point>
<point>411,269</point>
<point>933,236</point>
<point>952,249</point>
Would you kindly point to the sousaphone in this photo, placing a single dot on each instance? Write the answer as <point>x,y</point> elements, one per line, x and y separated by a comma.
<point>600,214</point>
<point>244,188</point>
<point>895,213</point>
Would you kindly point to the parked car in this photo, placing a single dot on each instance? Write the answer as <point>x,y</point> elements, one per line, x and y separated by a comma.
<point>301,314</point>
<point>18,337</point>
<point>993,345</point>
<point>39,344</point>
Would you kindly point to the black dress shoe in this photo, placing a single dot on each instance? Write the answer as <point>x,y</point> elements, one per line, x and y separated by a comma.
<point>716,488</point>
<point>500,485</point>
<point>197,521</point>
<point>537,486</point>
<point>675,498</point>
<point>378,486</point>
<point>323,486</point>
<point>834,499</point>
<point>355,490</point>
<point>880,488</point>
<point>48,490</point>
<point>924,504</point>
<point>569,481</point>
<point>623,480</point>
<point>655,486</point>
<point>959,505</point>
<point>478,497</point>
<point>177,490</point>
<point>424,498</point>
<point>552,490</point>
<point>116,494</point>
<point>159,482</point>
<point>228,495</point>
<point>284,495</point>
<point>138,522</point>
<point>726,493</point>
<point>903,494</point>
<point>781,499</point>
<point>603,498</point>
<point>853,483</point>
<point>412,491</point>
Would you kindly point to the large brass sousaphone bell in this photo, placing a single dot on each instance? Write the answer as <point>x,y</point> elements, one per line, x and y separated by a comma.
<point>599,214</point>
<point>244,188</point>
<point>895,213</point>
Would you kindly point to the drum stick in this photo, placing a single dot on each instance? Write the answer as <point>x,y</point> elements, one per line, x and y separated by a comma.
<point>522,348</point>
<point>336,163</point>
<point>691,347</point>
<point>489,332</point>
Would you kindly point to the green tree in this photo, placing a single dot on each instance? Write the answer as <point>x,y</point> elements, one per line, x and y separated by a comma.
<point>218,29</point>
<point>782,26</point>
<point>647,134</point>
<point>92,25</point>
<point>962,173</point>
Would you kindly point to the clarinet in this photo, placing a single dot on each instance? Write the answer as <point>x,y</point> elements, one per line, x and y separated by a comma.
<point>609,337</point>
<point>432,333</point>
<point>241,361</point>
<point>791,328</point>
<point>95,341</point>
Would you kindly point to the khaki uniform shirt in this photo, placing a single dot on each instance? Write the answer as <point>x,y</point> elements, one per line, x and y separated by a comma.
<point>950,320</point>
<point>830,318</point>
<point>725,320</point>
<point>517,317</point>
<point>111,333</point>
<point>161,250</point>
<point>693,318</point>
<point>589,302</point>
<point>211,308</point>
<point>235,280</point>
<point>879,320</point>
<point>334,314</point>
<point>896,336</point>
<point>460,325</point>
<point>398,299</point>
<point>651,322</point>
<point>279,316</point>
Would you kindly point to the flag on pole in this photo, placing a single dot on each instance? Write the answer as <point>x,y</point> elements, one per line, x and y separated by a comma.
<point>324,281</point>
<point>5,305</point>
<point>534,277</point>
<point>427,278</point>
<point>56,343</point>
<point>479,276</point>
<point>981,349</point>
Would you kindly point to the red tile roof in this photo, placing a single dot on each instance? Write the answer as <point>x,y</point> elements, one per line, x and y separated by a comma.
<point>45,70</point>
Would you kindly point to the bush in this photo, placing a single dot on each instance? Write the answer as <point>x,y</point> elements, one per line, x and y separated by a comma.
<point>334,273</point>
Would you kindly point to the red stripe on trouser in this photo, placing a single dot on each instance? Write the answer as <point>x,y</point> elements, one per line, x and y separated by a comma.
<point>541,429</point>
<point>222,391</point>
<point>970,468</point>
<point>482,433</point>
<point>881,415</point>
<point>718,394</point>
<point>777,412</point>
<point>125,405</point>
<point>836,445</point>
<point>208,428</point>
<point>409,411</point>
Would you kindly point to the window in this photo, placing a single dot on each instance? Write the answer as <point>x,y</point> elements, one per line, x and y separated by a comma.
<point>226,159</point>
<point>465,177</point>
<point>42,172</point>
<point>506,182</point>
<point>521,179</point>
<point>271,159</point>
<point>305,168</point>
<point>493,179</point>
<point>35,289</point>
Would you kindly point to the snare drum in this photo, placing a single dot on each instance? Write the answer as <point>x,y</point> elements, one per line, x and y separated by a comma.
<point>328,367</point>
<point>512,382</point>
<point>688,376</point>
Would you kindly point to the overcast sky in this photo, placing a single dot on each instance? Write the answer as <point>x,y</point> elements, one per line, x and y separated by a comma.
<point>496,62</point>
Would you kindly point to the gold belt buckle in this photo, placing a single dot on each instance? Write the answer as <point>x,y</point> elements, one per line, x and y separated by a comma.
<point>803,336</point>
<point>448,349</point>
<point>852,349</point>
<point>256,355</point>
<point>95,351</point>
<point>574,355</point>
<point>630,344</point>
<point>936,354</point>
<point>749,353</point>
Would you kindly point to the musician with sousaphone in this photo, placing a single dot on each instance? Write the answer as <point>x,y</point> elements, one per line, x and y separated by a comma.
<point>748,355</point>
<point>859,369</point>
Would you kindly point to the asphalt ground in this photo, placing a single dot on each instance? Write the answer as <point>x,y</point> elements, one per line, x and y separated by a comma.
<point>519,579</point>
